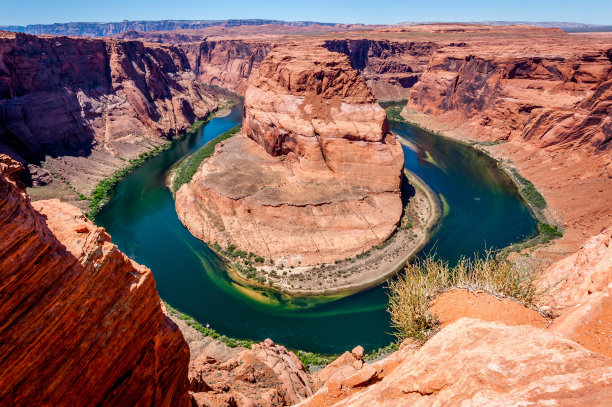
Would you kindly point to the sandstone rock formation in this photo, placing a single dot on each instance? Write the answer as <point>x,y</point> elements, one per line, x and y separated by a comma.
<point>391,68</point>
<point>590,322</point>
<point>586,272</point>
<point>315,175</point>
<point>486,363</point>
<point>82,107</point>
<point>228,63</point>
<point>81,323</point>
<point>455,304</point>
<point>266,375</point>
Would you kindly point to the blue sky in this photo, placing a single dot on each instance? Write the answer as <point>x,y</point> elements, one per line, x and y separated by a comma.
<point>23,12</point>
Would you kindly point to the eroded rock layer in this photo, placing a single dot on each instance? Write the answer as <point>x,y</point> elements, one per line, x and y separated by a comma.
<point>81,107</point>
<point>82,324</point>
<point>315,174</point>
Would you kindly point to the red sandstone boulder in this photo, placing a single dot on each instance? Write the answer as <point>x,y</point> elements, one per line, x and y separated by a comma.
<point>266,375</point>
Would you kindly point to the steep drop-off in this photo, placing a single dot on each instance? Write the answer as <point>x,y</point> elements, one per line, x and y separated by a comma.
<point>82,324</point>
<point>228,63</point>
<point>80,108</point>
<point>315,174</point>
<point>541,106</point>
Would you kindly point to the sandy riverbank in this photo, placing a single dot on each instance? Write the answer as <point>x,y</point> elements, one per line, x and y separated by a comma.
<point>421,214</point>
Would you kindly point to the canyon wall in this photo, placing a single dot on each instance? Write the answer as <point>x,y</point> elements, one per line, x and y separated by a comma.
<point>80,108</point>
<point>226,63</point>
<point>542,105</point>
<point>498,92</point>
<point>391,68</point>
<point>315,174</point>
<point>82,324</point>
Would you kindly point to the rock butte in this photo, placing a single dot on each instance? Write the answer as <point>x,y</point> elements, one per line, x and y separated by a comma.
<point>314,176</point>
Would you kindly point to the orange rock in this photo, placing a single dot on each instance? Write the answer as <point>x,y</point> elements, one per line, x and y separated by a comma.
<point>489,363</point>
<point>267,373</point>
<point>589,323</point>
<point>453,305</point>
<point>581,274</point>
<point>81,228</point>
<point>325,185</point>
<point>82,324</point>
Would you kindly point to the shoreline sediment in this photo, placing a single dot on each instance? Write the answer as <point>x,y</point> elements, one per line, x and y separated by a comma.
<point>369,270</point>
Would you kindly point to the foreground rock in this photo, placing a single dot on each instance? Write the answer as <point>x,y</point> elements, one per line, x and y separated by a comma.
<point>314,177</point>
<point>487,363</point>
<point>588,271</point>
<point>266,375</point>
<point>455,304</point>
<point>81,323</point>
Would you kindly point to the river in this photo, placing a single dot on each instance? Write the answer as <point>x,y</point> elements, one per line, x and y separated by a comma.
<point>482,210</point>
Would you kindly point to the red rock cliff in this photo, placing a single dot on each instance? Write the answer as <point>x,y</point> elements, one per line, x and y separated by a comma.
<point>82,324</point>
<point>108,100</point>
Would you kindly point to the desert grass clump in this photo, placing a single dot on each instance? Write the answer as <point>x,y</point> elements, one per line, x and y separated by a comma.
<point>411,294</point>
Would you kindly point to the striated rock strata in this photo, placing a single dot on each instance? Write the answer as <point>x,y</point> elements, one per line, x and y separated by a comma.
<point>82,107</point>
<point>82,324</point>
<point>315,174</point>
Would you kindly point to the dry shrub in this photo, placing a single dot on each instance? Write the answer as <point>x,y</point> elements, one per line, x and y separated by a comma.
<point>412,293</point>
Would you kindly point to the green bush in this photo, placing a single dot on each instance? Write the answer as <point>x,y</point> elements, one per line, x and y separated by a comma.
<point>311,359</point>
<point>411,294</point>
<point>190,165</point>
<point>548,232</point>
<point>529,191</point>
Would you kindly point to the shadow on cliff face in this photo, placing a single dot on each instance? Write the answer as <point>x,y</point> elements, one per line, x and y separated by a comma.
<point>46,124</point>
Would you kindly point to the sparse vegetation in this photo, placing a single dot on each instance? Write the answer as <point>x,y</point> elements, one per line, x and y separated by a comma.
<point>312,360</point>
<point>207,331</point>
<point>548,232</point>
<point>394,109</point>
<point>190,165</point>
<point>102,193</point>
<point>380,353</point>
<point>412,293</point>
<point>529,191</point>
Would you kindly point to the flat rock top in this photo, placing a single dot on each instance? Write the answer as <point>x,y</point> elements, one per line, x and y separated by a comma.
<point>240,168</point>
<point>302,70</point>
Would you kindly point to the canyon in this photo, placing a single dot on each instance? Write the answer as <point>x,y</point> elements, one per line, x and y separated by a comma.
<point>83,324</point>
<point>314,148</point>
<point>76,110</point>
<point>536,99</point>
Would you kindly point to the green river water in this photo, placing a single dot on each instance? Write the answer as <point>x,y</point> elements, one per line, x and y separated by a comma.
<point>482,210</point>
